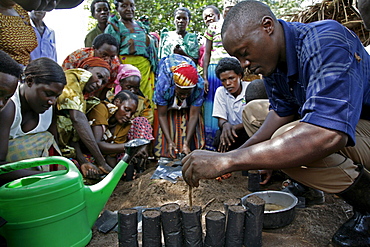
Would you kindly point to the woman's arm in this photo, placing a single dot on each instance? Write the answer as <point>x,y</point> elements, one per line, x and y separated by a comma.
<point>6,119</point>
<point>147,111</point>
<point>180,51</point>
<point>106,147</point>
<point>53,126</point>
<point>162,117</point>
<point>80,123</point>
<point>206,59</point>
<point>190,128</point>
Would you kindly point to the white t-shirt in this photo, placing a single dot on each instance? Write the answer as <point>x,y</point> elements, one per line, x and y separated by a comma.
<point>45,119</point>
<point>228,107</point>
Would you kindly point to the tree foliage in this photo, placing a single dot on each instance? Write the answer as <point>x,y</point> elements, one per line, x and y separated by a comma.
<point>160,12</point>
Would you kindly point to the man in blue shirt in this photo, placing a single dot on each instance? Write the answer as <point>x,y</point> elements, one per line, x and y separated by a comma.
<point>45,37</point>
<point>317,130</point>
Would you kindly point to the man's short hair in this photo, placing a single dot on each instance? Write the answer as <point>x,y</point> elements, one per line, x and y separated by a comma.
<point>248,12</point>
<point>9,66</point>
<point>104,38</point>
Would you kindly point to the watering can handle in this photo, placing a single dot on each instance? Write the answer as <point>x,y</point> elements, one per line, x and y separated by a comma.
<point>23,164</point>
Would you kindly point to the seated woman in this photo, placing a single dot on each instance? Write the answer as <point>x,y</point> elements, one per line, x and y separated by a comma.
<point>179,98</point>
<point>112,127</point>
<point>27,122</point>
<point>180,41</point>
<point>104,46</point>
<point>229,104</point>
<point>76,100</point>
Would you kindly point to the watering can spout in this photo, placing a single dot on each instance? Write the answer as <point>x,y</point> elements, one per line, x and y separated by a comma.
<point>97,195</point>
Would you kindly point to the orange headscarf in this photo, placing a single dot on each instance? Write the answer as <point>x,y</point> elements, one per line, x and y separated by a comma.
<point>93,62</point>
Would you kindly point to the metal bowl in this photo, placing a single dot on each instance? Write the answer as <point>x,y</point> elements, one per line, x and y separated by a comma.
<point>276,218</point>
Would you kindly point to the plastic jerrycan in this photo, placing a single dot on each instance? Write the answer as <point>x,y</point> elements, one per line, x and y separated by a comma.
<point>53,208</point>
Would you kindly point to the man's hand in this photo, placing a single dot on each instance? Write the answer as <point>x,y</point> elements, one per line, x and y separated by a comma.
<point>203,164</point>
<point>227,137</point>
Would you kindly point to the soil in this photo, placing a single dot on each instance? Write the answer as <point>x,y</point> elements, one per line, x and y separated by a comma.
<point>312,226</point>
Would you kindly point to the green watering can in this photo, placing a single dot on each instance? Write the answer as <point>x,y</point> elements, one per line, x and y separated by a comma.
<point>55,208</point>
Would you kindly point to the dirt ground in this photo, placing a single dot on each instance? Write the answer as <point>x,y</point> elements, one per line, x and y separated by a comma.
<point>312,226</point>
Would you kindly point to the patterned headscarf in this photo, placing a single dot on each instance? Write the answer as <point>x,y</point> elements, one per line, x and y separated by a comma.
<point>185,75</point>
<point>93,62</point>
<point>124,71</point>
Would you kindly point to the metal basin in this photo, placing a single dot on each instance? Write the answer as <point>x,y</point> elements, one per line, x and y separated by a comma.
<point>280,217</point>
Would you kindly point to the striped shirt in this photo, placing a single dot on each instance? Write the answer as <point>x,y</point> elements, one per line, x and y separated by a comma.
<point>326,77</point>
<point>213,33</point>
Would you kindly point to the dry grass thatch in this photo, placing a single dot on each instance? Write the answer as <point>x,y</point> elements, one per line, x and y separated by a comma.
<point>343,11</point>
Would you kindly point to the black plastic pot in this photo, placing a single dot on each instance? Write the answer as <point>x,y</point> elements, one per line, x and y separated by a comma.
<point>276,218</point>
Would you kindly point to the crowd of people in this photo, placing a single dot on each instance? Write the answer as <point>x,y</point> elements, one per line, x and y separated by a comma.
<point>307,114</point>
<point>88,118</point>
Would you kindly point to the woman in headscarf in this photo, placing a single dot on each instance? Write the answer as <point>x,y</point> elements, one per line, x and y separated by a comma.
<point>179,98</point>
<point>77,100</point>
<point>129,78</point>
<point>137,46</point>
<point>104,46</point>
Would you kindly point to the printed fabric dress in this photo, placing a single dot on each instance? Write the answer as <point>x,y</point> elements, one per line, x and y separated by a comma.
<point>72,98</point>
<point>169,40</point>
<point>177,118</point>
<point>137,48</point>
<point>213,33</point>
<point>17,37</point>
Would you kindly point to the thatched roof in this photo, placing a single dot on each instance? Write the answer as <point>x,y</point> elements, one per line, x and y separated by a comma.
<point>343,11</point>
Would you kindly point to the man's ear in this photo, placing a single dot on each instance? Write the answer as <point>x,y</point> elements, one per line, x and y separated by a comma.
<point>268,24</point>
